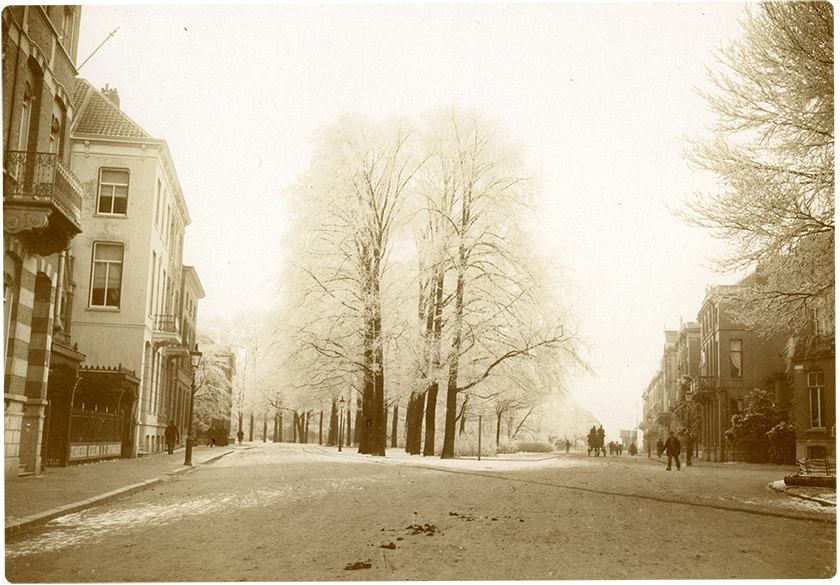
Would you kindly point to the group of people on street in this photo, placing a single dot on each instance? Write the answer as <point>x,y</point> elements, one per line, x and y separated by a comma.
<point>215,436</point>
<point>672,447</point>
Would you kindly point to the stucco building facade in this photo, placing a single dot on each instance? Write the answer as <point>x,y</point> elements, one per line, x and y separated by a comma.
<point>136,305</point>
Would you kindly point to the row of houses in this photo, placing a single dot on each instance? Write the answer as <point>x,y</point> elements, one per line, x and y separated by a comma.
<point>714,364</point>
<point>99,310</point>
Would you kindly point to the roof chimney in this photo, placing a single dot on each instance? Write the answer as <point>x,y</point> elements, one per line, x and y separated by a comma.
<point>111,94</point>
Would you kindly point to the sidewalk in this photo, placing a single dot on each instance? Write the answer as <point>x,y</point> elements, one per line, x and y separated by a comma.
<point>34,500</point>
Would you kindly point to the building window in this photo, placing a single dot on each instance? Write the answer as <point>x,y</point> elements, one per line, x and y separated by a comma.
<point>113,191</point>
<point>736,369</point>
<point>67,33</point>
<point>816,389</point>
<point>818,321</point>
<point>107,275</point>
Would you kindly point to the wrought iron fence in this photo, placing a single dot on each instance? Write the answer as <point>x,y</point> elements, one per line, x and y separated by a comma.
<point>96,426</point>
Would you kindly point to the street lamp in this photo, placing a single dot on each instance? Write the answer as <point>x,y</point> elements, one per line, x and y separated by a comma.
<point>647,432</point>
<point>195,359</point>
<point>340,421</point>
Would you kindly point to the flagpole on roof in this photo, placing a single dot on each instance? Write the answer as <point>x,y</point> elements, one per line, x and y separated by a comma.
<point>99,47</point>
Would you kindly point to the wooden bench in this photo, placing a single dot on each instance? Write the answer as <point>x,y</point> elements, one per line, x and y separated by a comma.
<point>814,473</point>
<point>817,467</point>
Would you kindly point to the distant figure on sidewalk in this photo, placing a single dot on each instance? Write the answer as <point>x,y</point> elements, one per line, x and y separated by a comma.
<point>633,449</point>
<point>240,435</point>
<point>672,450</point>
<point>659,448</point>
<point>172,436</point>
<point>211,436</point>
<point>568,444</point>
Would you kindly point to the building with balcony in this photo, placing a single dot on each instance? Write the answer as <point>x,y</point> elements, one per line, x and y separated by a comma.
<point>660,396</point>
<point>42,201</point>
<point>136,304</point>
<point>734,360</point>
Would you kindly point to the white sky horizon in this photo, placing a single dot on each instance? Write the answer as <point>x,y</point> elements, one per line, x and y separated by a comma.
<point>599,96</point>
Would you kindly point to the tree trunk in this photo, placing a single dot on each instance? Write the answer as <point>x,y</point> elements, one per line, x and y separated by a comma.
<point>448,450</point>
<point>462,416</point>
<point>431,405</point>
<point>357,436</point>
<point>395,426</point>
<point>251,430</point>
<point>365,432</point>
<point>294,426</point>
<point>432,392</point>
<point>380,423</point>
<point>414,423</point>
<point>498,428</point>
<point>349,425</point>
<point>332,435</point>
<point>280,426</point>
<point>321,427</point>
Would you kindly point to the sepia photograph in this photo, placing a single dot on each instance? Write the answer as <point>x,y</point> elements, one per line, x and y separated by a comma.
<point>318,292</point>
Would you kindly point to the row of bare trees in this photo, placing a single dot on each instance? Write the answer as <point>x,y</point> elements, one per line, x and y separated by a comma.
<point>410,266</point>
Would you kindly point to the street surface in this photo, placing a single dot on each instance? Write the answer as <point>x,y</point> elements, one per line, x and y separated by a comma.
<point>284,512</point>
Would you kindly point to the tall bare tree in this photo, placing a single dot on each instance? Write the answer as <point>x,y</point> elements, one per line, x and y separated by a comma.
<point>350,203</point>
<point>491,316</point>
<point>771,150</point>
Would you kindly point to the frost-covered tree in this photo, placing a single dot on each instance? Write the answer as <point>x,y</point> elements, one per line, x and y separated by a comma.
<point>493,309</point>
<point>771,151</point>
<point>346,210</point>
<point>213,383</point>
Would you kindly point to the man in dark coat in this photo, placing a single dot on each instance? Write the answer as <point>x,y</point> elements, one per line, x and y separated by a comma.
<point>171,435</point>
<point>672,450</point>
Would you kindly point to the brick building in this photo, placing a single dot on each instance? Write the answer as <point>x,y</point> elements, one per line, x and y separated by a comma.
<point>42,202</point>
<point>734,360</point>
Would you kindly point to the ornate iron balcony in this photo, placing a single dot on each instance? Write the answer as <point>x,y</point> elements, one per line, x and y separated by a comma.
<point>34,177</point>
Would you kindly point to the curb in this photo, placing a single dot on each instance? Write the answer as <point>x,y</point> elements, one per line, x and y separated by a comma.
<point>42,518</point>
<point>791,493</point>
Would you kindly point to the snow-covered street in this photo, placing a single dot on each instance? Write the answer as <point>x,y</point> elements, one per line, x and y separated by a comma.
<point>283,512</point>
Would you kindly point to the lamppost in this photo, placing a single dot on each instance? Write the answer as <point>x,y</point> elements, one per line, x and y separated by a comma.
<point>647,432</point>
<point>340,422</point>
<point>195,359</point>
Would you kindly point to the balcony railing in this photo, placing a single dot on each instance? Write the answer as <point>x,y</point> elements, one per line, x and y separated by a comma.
<point>42,177</point>
<point>166,324</point>
<point>703,384</point>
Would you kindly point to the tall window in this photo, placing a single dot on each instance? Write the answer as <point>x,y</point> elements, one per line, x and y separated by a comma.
<point>157,203</point>
<point>113,191</point>
<point>67,33</point>
<point>107,275</point>
<point>152,286</point>
<point>818,321</point>
<point>816,388</point>
<point>736,369</point>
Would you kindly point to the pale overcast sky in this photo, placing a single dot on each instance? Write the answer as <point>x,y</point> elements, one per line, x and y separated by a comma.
<point>598,95</point>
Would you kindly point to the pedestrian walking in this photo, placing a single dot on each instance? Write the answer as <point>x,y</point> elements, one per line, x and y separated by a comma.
<point>172,436</point>
<point>568,444</point>
<point>672,450</point>
<point>240,435</point>
<point>660,446</point>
